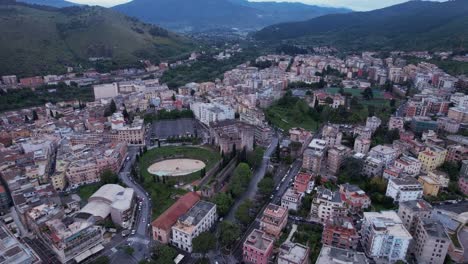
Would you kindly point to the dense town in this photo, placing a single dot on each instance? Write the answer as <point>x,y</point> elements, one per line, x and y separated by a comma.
<point>285,159</point>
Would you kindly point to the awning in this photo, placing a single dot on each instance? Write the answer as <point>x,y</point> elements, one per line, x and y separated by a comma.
<point>86,254</point>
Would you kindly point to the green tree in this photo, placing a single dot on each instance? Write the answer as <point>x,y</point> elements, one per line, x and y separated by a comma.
<point>328,101</point>
<point>125,114</point>
<point>112,106</point>
<point>229,232</point>
<point>266,186</point>
<point>255,157</point>
<point>368,94</point>
<point>240,179</point>
<point>204,242</point>
<point>243,212</point>
<point>108,176</point>
<point>129,250</point>
<point>26,119</point>
<point>164,254</point>
<point>351,170</point>
<point>223,203</point>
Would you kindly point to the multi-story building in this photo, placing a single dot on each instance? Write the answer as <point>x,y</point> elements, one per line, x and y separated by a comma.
<point>372,167</point>
<point>386,154</point>
<point>108,90</point>
<point>459,114</point>
<point>356,199</point>
<point>340,232</point>
<point>133,134</point>
<point>384,237</point>
<point>431,242</point>
<point>333,255</point>
<point>4,200</point>
<point>293,253</point>
<point>332,135</point>
<point>373,123</point>
<point>73,238</point>
<point>312,160</point>
<point>336,156</point>
<point>432,157</point>
<point>211,112</point>
<point>162,226</point>
<point>430,186</point>
<point>396,122</point>
<point>200,218</point>
<point>303,182</point>
<point>420,124</point>
<point>14,252</point>
<point>229,133</point>
<point>409,165</point>
<point>362,145</point>
<point>257,248</point>
<point>410,211</point>
<point>291,199</point>
<point>274,219</point>
<point>327,204</point>
<point>456,153</point>
<point>404,189</point>
<point>448,125</point>
<point>363,132</point>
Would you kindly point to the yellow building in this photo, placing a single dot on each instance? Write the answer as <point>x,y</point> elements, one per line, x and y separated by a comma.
<point>430,186</point>
<point>59,181</point>
<point>432,157</point>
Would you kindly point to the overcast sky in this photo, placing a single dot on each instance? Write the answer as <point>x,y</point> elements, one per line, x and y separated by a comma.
<point>358,5</point>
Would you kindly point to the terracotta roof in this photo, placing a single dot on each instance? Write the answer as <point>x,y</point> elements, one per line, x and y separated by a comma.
<point>167,219</point>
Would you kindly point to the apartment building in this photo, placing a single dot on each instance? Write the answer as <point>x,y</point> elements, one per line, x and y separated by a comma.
<point>327,204</point>
<point>336,156</point>
<point>332,135</point>
<point>4,200</point>
<point>312,160</point>
<point>396,122</point>
<point>456,153</point>
<point>410,211</point>
<point>409,165</point>
<point>362,145</point>
<point>373,123</point>
<point>363,132</point>
<point>384,153</point>
<point>404,189</point>
<point>257,248</point>
<point>372,167</point>
<point>432,157</point>
<point>291,199</point>
<point>431,242</point>
<point>384,237</point>
<point>340,232</point>
<point>211,112</point>
<point>293,253</point>
<point>274,219</point>
<point>73,239</point>
<point>333,255</point>
<point>354,197</point>
<point>200,218</point>
<point>133,134</point>
<point>459,114</point>
<point>303,182</point>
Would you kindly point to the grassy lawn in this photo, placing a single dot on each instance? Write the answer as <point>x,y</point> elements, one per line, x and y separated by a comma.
<point>86,191</point>
<point>164,195</point>
<point>378,94</point>
<point>287,118</point>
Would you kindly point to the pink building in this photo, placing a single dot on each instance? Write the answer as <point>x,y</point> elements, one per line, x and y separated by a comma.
<point>354,197</point>
<point>302,181</point>
<point>257,248</point>
<point>274,219</point>
<point>463,184</point>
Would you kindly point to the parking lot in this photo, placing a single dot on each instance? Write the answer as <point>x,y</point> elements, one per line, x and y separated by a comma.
<point>179,127</point>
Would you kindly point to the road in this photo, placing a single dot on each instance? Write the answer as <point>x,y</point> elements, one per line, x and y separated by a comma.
<point>257,177</point>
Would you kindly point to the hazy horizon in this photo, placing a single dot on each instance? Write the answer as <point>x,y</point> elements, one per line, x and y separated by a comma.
<point>357,5</point>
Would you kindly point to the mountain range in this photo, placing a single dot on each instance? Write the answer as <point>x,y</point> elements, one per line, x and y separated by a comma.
<point>54,3</point>
<point>415,25</point>
<point>200,15</point>
<point>42,40</point>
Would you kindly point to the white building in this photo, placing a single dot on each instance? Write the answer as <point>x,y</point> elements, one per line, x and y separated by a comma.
<point>291,199</point>
<point>108,90</point>
<point>200,218</point>
<point>384,153</point>
<point>362,145</point>
<point>409,165</point>
<point>211,112</point>
<point>384,237</point>
<point>327,204</point>
<point>373,123</point>
<point>404,189</point>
